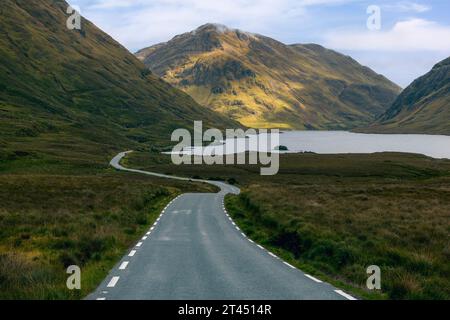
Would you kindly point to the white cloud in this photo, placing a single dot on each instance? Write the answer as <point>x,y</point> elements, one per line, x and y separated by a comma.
<point>409,35</point>
<point>407,6</point>
<point>139,23</point>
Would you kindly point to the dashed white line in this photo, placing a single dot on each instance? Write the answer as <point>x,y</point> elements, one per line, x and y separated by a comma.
<point>237,228</point>
<point>101,299</point>
<point>132,253</point>
<point>260,246</point>
<point>113,282</point>
<point>243,234</point>
<point>272,254</point>
<point>148,233</point>
<point>139,244</point>
<point>124,265</point>
<point>289,265</point>
<point>312,278</point>
<point>342,293</point>
<point>151,229</point>
<point>233,223</point>
<point>251,240</point>
<point>144,238</point>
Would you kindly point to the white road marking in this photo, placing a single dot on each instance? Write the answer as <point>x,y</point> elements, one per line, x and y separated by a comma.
<point>250,240</point>
<point>139,244</point>
<point>113,282</point>
<point>272,254</point>
<point>151,229</point>
<point>289,265</point>
<point>132,253</point>
<point>148,233</point>
<point>342,293</point>
<point>312,278</point>
<point>101,299</point>
<point>233,223</point>
<point>104,292</point>
<point>243,234</point>
<point>261,247</point>
<point>155,223</point>
<point>237,228</point>
<point>124,265</point>
<point>144,238</point>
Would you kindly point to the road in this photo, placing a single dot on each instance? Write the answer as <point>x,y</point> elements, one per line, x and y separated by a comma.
<point>195,251</point>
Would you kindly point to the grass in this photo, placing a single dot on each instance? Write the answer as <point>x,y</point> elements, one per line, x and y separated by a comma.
<point>335,215</point>
<point>48,222</point>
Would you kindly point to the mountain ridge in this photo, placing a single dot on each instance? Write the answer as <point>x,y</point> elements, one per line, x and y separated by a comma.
<point>80,90</point>
<point>262,82</point>
<point>423,107</point>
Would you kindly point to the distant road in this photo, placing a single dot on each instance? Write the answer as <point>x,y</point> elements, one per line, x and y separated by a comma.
<point>195,251</point>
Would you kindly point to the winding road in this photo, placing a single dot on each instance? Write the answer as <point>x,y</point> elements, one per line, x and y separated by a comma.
<point>195,251</point>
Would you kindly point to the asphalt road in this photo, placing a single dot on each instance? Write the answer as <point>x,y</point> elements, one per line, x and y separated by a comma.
<point>195,251</point>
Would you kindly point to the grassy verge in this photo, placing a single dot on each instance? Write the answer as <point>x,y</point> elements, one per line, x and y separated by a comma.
<point>335,215</point>
<point>50,221</point>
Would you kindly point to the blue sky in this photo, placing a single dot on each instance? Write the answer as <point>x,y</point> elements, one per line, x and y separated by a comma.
<point>414,35</point>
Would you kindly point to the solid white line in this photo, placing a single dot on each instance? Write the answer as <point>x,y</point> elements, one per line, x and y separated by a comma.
<point>132,253</point>
<point>101,299</point>
<point>342,293</point>
<point>312,278</point>
<point>139,244</point>
<point>289,265</point>
<point>144,238</point>
<point>124,265</point>
<point>113,282</point>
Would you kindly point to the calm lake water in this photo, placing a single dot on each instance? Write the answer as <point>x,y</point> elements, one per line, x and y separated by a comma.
<point>340,142</point>
<point>335,142</point>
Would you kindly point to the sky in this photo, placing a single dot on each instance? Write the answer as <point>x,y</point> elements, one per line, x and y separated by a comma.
<point>403,41</point>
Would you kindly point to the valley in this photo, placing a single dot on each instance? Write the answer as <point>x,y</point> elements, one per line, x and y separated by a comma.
<point>70,100</point>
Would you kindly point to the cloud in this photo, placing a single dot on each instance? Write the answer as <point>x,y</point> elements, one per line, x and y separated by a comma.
<point>409,35</point>
<point>139,23</point>
<point>407,6</point>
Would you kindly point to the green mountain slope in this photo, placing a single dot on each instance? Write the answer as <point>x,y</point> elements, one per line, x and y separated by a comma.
<point>423,107</point>
<point>76,93</point>
<point>264,83</point>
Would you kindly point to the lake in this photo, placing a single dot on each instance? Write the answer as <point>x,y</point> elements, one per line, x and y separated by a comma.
<point>340,142</point>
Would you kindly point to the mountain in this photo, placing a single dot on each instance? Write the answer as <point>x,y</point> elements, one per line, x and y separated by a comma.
<point>79,92</point>
<point>262,82</point>
<point>423,107</point>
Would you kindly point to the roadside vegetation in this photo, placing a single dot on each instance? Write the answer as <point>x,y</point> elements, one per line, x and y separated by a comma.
<point>335,215</point>
<point>88,218</point>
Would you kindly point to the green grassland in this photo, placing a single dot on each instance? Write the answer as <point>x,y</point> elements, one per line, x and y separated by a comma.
<point>334,215</point>
<point>51,221</point>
